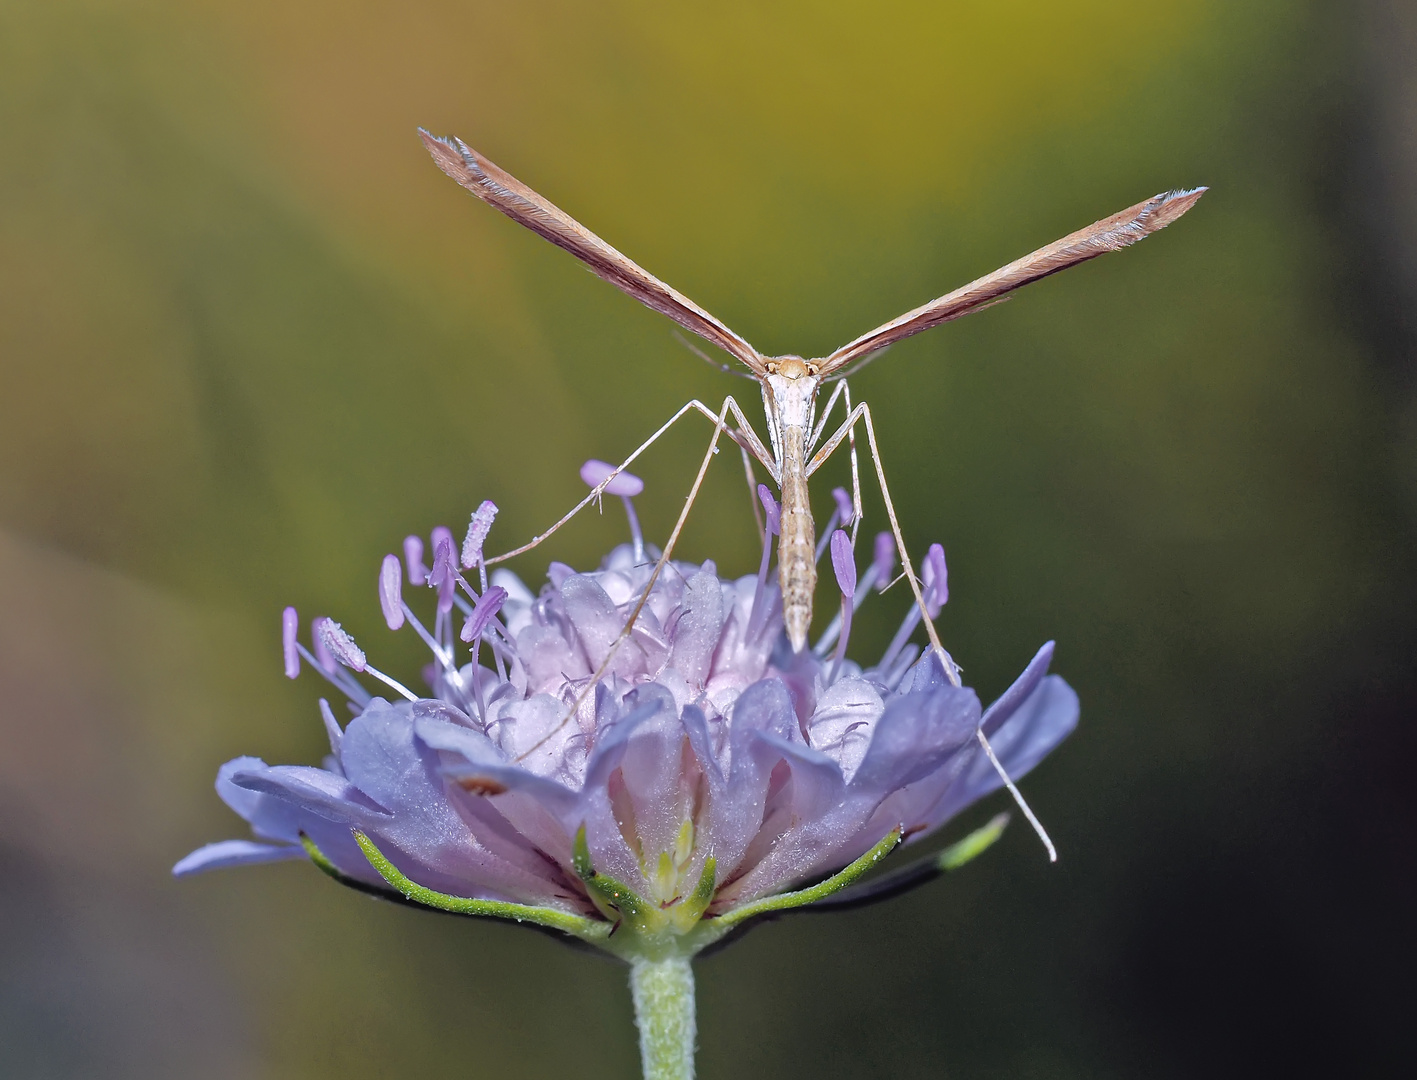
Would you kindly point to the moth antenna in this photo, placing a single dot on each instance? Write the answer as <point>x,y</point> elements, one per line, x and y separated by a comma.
<point>727,369</point>
<point>869,359</point>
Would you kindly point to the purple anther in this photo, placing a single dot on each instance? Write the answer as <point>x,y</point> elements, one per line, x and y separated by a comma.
<point>443,576</point>
<point>482,613</point>
<point>935,578</point>
<point>322,653</point>
<point>390,591</point>
<point>884,559</point>
<point>773,511</point>
<point>413,556</point>
<point>439,534</point>
<point>477,531</point>
<point>338,645</point>
<point>289,626</point>
<point>844,508</point>
<point>844,563</point>
<point>442,563</point>
<point>594,472</point>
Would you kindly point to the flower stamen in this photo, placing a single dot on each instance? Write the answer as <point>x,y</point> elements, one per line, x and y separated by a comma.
<point>477,530</point>
<point>289,627</point>
<point>341,647</point>
<point>390,591</point>
<point>627,485</point>
<point>757,615</point>
<point>875,575</point>
<point>842,515</point>
<point>935,588</point>
<point>844,565</point>
<point>413,558</point>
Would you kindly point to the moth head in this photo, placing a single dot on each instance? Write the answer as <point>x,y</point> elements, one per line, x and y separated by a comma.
<point>790,367</point>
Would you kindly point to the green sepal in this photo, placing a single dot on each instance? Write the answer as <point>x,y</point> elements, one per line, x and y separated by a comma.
<point>691,909</point>
<point>580,856</point>
<point>811,894</point>
<point>973,845</point>
<point>614,899</point>
<point>576,925</point>
<point>915,874</point>
<point>319,859</point>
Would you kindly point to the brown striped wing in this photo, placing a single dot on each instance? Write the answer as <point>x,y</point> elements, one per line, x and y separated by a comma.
<point>1110,234</point>
<point>508,194</point>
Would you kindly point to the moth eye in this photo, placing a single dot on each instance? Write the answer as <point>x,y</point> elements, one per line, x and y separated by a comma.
<point>812,370</point>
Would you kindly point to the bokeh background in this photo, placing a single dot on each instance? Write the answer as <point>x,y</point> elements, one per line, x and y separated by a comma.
<point>251,337</point>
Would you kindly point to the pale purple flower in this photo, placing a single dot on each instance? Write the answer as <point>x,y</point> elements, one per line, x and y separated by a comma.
<point>705,738</point>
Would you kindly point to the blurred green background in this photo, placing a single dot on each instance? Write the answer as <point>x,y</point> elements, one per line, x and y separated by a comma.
<point>251,337</point>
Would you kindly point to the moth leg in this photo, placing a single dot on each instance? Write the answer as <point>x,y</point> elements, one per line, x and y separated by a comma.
<point>719,429</point>
<point>743,435</point>
<point>863,413</point>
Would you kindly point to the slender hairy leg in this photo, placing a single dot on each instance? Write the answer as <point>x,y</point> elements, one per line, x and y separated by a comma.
<point>743,435</point>
<point>863,413</point>
<point>844,392</point>
<point>753,491</point>
<point>837,391</point>
<point>855,469</point>
<point>719,428</point>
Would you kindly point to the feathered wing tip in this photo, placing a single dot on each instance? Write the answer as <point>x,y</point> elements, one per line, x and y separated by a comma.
<point>445,153</point>
<point>1161,210</point>
<point>486,180</point>
<point>1178,200</point>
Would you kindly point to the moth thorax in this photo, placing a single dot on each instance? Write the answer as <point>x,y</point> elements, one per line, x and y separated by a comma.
<point>791,386</point>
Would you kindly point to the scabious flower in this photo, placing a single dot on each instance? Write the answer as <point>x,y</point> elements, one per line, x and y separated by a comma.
<point>670,782</point>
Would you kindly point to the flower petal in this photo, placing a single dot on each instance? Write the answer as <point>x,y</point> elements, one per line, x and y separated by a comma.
<point>478,765</point>
<point>697,632</point>
<point>1013,698</point>
<point>1036,726</point>
<point>226,853</point>
<point>914,735</point>
<point>424,834</point>
<point>842,723</point>
<point>593,615</point>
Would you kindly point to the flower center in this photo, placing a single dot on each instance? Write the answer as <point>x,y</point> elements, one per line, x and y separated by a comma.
<point>668,878</point>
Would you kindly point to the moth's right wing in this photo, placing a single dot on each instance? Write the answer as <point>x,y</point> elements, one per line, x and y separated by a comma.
<point>524,206</point>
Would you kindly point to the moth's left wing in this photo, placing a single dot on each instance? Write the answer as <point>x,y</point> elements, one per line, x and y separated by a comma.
<point>1110,234</point>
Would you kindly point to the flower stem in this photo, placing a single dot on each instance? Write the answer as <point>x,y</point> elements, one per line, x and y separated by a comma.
<point>663,990</point>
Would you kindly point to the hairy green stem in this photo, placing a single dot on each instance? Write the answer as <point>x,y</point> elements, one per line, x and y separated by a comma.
<point>663,989</point>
